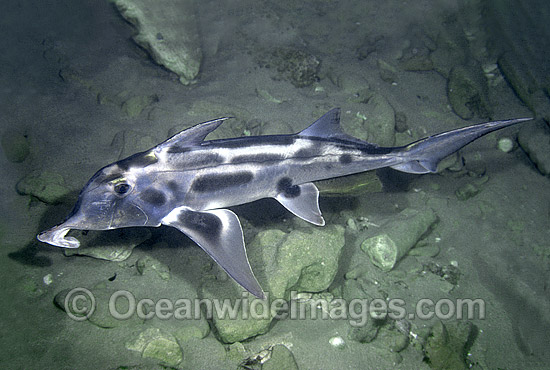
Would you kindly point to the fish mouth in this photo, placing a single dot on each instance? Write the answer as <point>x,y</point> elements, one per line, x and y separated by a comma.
<point>57,236</point>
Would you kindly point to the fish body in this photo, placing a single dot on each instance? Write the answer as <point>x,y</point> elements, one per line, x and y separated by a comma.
<point>188,182</point>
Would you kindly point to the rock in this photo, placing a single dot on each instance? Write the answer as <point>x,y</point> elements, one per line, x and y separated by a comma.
<point>281,359</point>
<point>296,261</point>
<point>236,351</point>
<point>300,260</point>
<point>151,265</point>
<point>136,104</point>
<point>519,78</point>
<point>447,345</point>
<point>94,305</point>
<point>112,245</point>
<point>376,124</point>
<point>168,31</point>
<point>398,236</point>
<point>197,329</point>
<point>364,329</point>
<point>401,122</point>
<point>416,54</point>
<point>467,92</point>
<point>203,353</point>
<point>417,63</point>
<point>451,47</point>
<point>467,191</point>
<point>388,73</point>
<point>535,140</point>
<point>15,146</point>
<point>505,144</point>
<point>48,187</point>
<point>155,344</point>
<point>355,86</point>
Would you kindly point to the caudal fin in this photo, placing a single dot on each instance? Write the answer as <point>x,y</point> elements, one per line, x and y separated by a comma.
<point>423,156</point>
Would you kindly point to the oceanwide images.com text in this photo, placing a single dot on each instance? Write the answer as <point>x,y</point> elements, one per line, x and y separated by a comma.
<point>80,304</point>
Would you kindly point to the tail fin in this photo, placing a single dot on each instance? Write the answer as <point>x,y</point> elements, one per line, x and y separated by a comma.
<point>425,154</point>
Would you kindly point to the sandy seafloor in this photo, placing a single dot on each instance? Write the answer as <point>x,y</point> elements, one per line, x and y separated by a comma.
<point>494,237</point>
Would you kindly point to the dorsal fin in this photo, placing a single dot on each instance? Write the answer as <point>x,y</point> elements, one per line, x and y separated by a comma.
<point>191,136</point>
<point>326,126</point>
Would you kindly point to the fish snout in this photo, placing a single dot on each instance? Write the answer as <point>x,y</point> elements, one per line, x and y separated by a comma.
<point>57,236</point>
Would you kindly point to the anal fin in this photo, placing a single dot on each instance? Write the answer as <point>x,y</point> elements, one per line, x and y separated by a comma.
<point>219,233</point>
<point>417,167</point>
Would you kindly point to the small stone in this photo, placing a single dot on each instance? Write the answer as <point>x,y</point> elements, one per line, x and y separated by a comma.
<point>387,72</point>
<point>467,191</point>
<point>47,279</point>
<point>505,145</point>
<point>136,104</point>
<point>417,63</point>
<point>401,122</point>
<point>15,146</point>
<point>337,342</point>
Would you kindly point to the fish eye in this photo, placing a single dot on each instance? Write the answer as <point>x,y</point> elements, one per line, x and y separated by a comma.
<point>122,188</point>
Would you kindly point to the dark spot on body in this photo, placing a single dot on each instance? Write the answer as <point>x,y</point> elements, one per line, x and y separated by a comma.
<point>154,197</point>
<point>285,187</point>
<point>172,186</point>
<point>214,182</point>
<point>246,158</point>
<point>178,149</point>
<point>374,149</point>
<point>201,159</point>
<point>139,160</point>
<point>203,223</point>
<point>307,153</point>
<point>345,159</point>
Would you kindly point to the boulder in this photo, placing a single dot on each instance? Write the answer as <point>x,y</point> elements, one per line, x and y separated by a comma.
<point>168,31</point>
<point>300,261</point>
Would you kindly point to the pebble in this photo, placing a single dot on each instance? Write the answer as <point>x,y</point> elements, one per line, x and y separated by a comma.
<point>505,144</point>
<point>337,342</point>
<point>15,146</point>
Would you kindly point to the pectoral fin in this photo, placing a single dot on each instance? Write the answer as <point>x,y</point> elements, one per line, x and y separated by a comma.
<point>303,201</point>
<point>219,233</point>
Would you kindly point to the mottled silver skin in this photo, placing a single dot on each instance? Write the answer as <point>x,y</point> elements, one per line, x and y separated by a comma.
<point>187,183</point>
